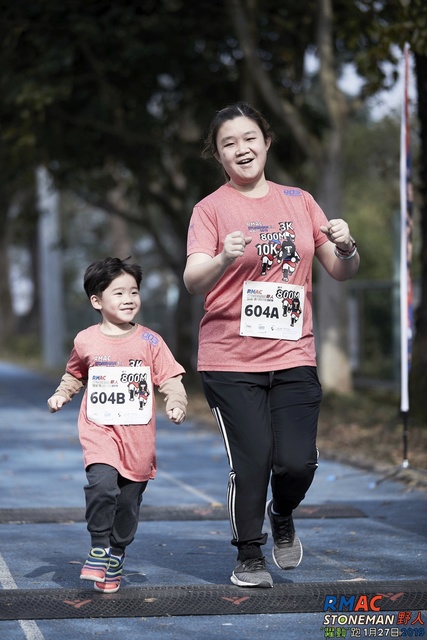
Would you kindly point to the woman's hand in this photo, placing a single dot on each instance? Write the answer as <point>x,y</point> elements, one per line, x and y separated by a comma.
<point>339,267</point>
<point>234,245</point>
<point>338,232</point>
<point>202,272</point>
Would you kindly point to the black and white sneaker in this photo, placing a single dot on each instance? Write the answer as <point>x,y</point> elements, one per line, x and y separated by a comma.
<point>287,547</point>
<point>251,573</point>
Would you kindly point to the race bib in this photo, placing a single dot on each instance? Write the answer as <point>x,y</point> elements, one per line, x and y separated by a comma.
<point>119,395</point>
<point>272,310</point>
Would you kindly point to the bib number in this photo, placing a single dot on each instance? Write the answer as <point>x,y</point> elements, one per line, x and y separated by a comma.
<point>272,310</point>
<point>119,395</point>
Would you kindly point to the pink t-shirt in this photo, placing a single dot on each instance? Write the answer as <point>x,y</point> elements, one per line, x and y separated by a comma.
<point>285,230</point>
<point>131,449</point>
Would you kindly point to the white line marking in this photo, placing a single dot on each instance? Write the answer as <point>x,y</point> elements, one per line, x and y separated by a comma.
<point>29,627</point>
<point>189,488</point>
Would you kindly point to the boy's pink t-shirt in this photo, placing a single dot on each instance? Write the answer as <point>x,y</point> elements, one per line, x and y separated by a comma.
<point>131,449</point>
<point>284,222</point>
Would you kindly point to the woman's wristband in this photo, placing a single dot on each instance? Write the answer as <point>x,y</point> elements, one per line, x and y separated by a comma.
<point>346,254</point>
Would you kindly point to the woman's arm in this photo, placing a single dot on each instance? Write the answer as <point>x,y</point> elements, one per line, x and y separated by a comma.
<point>202,272</point>
<point>339,257</point>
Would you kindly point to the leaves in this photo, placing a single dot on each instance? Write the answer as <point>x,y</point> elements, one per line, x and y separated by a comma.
<point>120,94</point>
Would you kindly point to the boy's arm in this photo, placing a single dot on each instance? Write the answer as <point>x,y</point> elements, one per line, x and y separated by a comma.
<point>68,387</point>
<point>175,398</point>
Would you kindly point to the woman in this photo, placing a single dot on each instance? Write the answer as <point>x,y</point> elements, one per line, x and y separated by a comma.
<point>251,245</point>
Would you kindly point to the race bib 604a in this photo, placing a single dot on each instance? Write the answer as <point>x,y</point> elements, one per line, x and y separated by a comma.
<point>119,395</point>
<point>272,310</point>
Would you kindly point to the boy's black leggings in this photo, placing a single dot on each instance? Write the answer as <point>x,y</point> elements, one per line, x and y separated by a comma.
<point>269,425</point>
<point>112,506</point>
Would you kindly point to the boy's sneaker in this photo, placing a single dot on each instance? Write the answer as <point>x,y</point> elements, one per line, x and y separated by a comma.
<point>96,565</point>
<point>287,547</point>
<point>251,573</point>
<point>113,576</point>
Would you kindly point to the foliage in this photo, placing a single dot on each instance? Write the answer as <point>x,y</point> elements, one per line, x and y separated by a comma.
<point>417,20</point>
<point>92,84</point>
<point>114,95</point>
<point>371,194</point>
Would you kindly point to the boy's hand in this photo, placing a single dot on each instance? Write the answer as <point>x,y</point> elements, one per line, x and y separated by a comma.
<point>176,415</point>
<point>55,403</point>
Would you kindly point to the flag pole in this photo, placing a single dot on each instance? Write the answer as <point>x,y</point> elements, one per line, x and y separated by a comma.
<point>406,300</point>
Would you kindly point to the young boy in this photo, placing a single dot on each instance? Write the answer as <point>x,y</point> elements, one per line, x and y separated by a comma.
<point>119,361</point>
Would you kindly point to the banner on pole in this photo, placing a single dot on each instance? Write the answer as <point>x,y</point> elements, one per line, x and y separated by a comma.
<point>406,222</point>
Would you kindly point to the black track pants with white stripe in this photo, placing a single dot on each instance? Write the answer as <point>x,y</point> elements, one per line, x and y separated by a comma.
<point>269,424</point>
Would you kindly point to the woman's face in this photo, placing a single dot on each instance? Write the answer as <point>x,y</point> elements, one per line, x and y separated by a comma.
<point>242,151</point>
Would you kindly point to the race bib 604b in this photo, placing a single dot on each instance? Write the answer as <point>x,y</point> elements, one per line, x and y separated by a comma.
<point>119,395</point>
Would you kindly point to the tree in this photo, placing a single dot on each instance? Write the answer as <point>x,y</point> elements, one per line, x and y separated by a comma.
<point>417,19</point>
<point>17,221</point>
<point>93,93</point>
<point>116,96</point>
<point>321,139</point>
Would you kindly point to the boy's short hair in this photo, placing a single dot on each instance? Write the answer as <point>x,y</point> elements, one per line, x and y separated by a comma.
<point>100,274</point>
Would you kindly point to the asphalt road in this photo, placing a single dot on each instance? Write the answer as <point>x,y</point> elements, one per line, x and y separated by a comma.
<point>364,541</point>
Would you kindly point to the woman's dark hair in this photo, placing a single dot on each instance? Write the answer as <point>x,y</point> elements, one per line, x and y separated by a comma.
<point>99,275</point>
<point>236,110</point>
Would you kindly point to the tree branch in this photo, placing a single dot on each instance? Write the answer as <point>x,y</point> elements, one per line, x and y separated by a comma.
<point>283,108</point>
<point>131,138</point>
<point>149,222</point>
<point>334,99</point>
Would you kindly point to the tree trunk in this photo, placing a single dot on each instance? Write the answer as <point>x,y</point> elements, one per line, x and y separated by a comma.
<point>187,318</point>
<point>418,374</point>
<point>120,239</point>
<point>330,301</point>
<point>326,154</point>
<point>7,316</point>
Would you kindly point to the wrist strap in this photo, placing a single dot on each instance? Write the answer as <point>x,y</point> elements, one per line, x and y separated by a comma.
<point>346,255</point>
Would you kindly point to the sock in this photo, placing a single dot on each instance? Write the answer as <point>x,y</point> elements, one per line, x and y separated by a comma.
<point>282,515</point>
<point>249,552</point>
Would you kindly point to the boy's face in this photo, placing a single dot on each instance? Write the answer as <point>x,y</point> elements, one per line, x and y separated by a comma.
<point>120,302</point>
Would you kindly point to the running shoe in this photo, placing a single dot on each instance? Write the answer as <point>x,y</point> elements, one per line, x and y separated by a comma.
<point>251,573</point>
<point>287,547</point>
<point>113,577</point>
<point>96,565</point>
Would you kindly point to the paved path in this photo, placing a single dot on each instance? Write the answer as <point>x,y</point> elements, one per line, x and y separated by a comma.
<point>359,538</point>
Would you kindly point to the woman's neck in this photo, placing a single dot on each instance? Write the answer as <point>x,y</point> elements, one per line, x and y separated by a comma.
<point>253,189</point>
